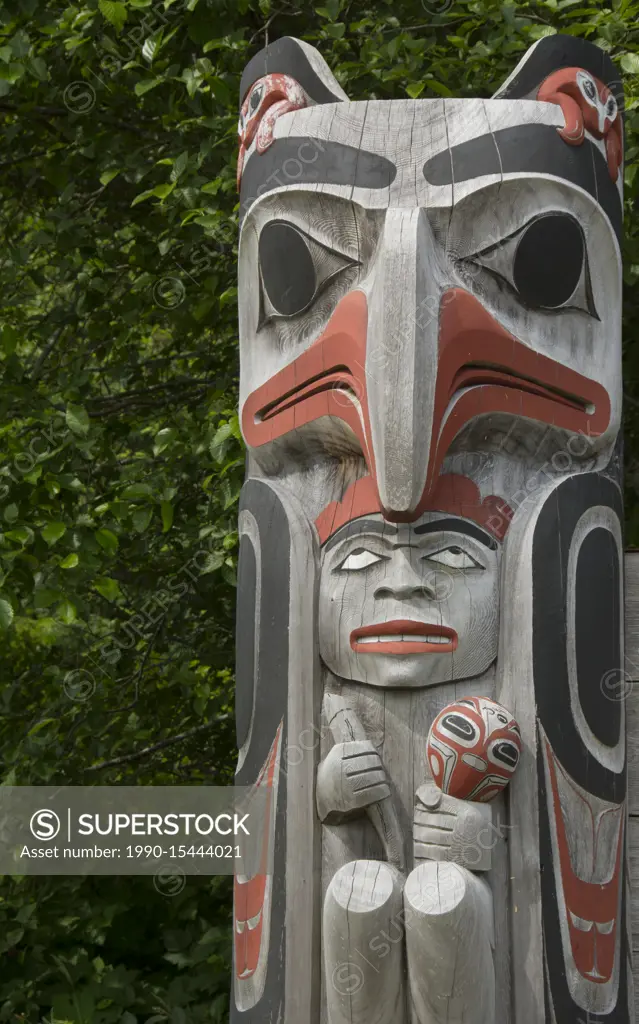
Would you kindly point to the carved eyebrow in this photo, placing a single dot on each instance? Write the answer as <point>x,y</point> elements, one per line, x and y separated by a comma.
<point>532,149</point>
<point>330,163</point>
<point>459,526</point>
<point>358,527</point>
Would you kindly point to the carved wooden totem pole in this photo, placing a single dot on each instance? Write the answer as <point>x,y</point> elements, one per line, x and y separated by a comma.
<point>430,585</point>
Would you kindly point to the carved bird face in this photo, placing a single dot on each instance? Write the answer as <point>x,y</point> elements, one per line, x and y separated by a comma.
<point>396,303</point>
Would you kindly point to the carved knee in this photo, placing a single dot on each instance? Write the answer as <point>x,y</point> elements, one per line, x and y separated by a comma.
<point>363,976</point>
<point>449,945</point>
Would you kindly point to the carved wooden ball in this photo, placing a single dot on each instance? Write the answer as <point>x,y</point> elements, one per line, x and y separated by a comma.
<point>473,748</point>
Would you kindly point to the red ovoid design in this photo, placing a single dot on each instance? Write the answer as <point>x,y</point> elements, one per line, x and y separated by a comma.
<point>591,908</point>
<point>480,368</point>
<point>587,105</point>
<point>453,493</point>
<point>473,748</point>
<point>251,907</point>
<point>268,99</point>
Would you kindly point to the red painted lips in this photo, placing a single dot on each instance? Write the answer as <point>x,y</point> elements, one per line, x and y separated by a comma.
<point>404,636</point>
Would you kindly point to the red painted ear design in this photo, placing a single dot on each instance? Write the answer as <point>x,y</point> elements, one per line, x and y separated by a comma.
<point>268,99</point>
<point>587,105</point>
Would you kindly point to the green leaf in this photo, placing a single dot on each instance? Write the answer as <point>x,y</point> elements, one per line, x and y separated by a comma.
<point>415,89</point>
<point>6,613</point>
<point>70,561</point>
<point>77,420</point>
<point>161,191</point>
<point>136,491</point>
<point>41,725</point>
<point>141,518</point>
<point>52,532</point>
<point>114,12</point>
<point>336,31</point>
<point>44,597</point>
<point>108,176</point>
<point>9,339</point>
<point>330,9</point>
<point>12,72</point>
<point>179,165</point>
<point>38,68</point>
<point>163,439</point>
<point>630,63</point>
<point>108,588</point>
<point>152,47</point>
<point>11,513</point>
<point>145,86</point>
<point>107,540</point>
<point>23,535</point>
<point>166,509</point>
<point>67,611</point>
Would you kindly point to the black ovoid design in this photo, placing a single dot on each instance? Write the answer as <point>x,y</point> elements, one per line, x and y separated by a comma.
<point>263,690</point>
<point>551,634</point>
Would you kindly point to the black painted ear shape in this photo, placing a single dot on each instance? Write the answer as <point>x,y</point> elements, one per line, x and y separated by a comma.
<point>552,53</point>
<point>289,56</point>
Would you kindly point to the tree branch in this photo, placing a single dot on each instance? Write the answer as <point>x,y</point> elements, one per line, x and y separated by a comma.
<point>136,755</point>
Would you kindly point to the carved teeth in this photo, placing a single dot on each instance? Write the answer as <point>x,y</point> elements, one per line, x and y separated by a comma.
<point>386,638</point>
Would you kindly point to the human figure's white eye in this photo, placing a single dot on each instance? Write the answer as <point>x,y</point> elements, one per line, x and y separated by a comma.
<point>360,560</point>
<point>454,558</point>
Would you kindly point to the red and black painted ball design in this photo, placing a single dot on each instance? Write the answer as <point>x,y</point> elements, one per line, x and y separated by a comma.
<point>473,748</point>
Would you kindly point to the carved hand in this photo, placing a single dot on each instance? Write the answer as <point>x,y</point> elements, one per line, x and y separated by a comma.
<point>350,779</point>
<point>449,829</point>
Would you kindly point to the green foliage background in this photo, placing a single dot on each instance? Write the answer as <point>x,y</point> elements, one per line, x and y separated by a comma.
<point>120,454</point>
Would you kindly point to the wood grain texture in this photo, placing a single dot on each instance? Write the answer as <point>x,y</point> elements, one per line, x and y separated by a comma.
<point>363,954</point>
<point>449,938</point>
<point>407,358</point>
<point>631,690</point>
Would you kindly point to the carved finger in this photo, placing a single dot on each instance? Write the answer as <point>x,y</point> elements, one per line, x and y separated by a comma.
<point>356,748</point>
<point>445,822</point>
<point>435,838</point>
<point>368,779</point>
<point>430,795</point>
<point>432,851</point>
<point>363,763</point>
<point>371,794</point>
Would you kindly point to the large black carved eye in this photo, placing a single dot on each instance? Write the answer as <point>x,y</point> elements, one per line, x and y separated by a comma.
<point>549,261</point>
<point>294,268</point>
<point>545,262</point>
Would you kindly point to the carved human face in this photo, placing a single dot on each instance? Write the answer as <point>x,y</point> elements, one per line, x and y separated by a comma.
<point>409,605</point>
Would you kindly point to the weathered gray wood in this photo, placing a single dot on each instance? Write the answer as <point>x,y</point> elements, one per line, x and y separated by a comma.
<point>439,418</point>
<point>630,692</point>
<point>449,937</point>
<point>363,953</point>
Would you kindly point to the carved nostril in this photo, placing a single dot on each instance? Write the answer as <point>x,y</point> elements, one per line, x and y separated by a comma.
<point>404,591</point>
